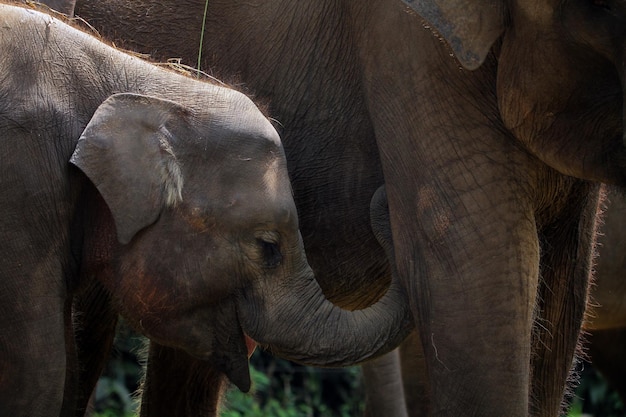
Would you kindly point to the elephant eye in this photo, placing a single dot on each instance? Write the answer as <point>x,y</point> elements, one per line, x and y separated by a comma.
<point>272,257</point>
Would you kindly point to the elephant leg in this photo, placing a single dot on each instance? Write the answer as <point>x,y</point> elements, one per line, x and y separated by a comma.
<point>414,377</point>
<point>384,393</point>
<point>567,246</point>
<point>178,385</point>
<point>389,377</point>
<point>606,352</point>
<point>472,281</point>
<point>32,356</point>
<point>95,321</point>
<point>471,301</point>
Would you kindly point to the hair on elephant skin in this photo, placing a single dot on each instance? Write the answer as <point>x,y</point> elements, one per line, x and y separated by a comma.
<point>605,324</point>
<point>492,125</point>
<point>131,189</point>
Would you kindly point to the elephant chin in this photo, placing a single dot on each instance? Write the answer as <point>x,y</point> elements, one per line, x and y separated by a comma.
<point>222,343</point>
<point>232,362</point>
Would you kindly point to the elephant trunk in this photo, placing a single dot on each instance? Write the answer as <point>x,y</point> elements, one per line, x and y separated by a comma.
<point>294,320</point>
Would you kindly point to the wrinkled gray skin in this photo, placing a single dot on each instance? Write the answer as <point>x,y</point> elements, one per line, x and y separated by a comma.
<point>492,160</point>
<point>169,195</point>
<point>388,377</point>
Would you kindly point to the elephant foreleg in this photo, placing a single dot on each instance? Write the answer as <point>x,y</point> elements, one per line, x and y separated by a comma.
<point>32,357</point>
<point>567,246</point>
<point>414,376</point>
<point>178,385</point>
<point>384,393</point>
<point>95,321</point>
<point>389,377</point>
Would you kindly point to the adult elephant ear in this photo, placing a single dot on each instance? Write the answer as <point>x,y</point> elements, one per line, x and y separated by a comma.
<point>125,151</point>
<point>470,27</point>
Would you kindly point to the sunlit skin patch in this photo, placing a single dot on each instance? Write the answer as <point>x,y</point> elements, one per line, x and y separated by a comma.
<point>271,179</point>
<point>198,221</point>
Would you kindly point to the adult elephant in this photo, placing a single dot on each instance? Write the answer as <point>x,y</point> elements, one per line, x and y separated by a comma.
<point>171,193</point>
<point>492,160</point>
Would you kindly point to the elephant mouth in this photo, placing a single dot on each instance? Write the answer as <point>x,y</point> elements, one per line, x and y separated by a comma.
<point>250,344</point>
<point>220,343</point>
<point>232,355</point>
<point>233,363</point>
<point>237,371</point>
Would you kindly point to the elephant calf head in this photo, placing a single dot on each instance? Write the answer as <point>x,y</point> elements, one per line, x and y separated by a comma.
<point>201,205</point>
<point>207,239</point>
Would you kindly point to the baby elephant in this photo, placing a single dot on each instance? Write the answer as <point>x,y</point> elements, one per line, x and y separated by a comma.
<point>170,192</point>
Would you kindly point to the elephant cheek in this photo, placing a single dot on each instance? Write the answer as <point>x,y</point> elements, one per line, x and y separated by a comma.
<point>180,333</point>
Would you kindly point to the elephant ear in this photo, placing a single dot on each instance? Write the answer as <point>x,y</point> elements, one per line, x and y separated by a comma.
<point>125,151</point>
<point>469,26</point>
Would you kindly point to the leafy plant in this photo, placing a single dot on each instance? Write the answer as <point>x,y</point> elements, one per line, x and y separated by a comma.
<point>285,389</point>
<point>114,392</point>
<point>594,397</point>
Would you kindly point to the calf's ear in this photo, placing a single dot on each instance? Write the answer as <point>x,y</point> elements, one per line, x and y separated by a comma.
<point>125,151</point>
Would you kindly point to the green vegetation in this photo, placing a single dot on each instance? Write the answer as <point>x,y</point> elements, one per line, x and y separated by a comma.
<point>595,397</point>
<point>284,389</point>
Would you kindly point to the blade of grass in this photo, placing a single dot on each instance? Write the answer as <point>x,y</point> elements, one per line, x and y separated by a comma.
<point>206,8</point>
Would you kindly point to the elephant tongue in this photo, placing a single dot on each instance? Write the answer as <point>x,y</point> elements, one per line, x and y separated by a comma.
<point>250,345</point>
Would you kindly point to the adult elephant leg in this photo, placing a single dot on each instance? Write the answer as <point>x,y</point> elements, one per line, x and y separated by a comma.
<point>566,247</point>
<point>384,392</point>
<point>32,350</point>
<point>169,369</point>
<point>606,352</point>
<point>414,377</point>
<point>390,377</point>
<point>477,269</point>
<point>466,246</point>
<point>462,206</point>
<point>95,320</point>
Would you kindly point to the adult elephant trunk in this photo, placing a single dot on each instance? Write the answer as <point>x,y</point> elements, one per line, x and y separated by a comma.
<point>294,320</point>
